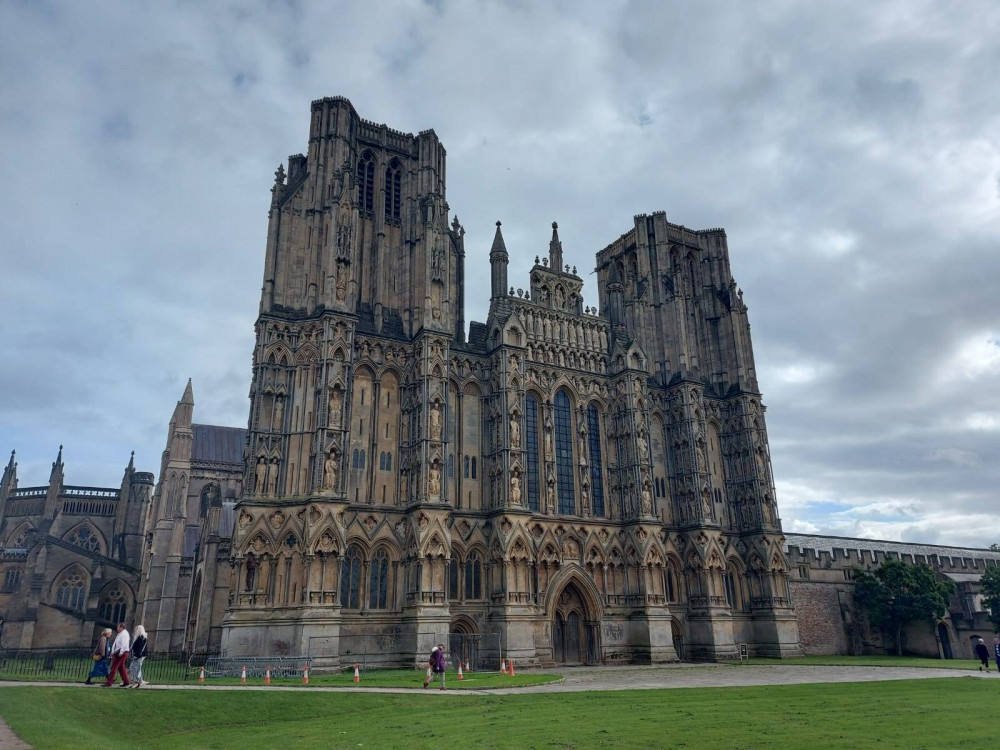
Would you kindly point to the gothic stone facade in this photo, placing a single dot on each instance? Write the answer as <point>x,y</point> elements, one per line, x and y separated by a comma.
<point>69,558</point>
<point>592,485</point>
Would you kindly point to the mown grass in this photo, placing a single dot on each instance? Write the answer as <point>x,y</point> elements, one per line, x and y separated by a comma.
<point>873,661</point>
<point>935,713</point>
<point>389,678</point>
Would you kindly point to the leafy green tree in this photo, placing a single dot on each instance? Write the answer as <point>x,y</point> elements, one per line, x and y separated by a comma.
<point>989,587</point>
<point>896,593</point>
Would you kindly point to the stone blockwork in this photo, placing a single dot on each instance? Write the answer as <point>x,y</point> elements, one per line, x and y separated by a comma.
<point>822,586</point>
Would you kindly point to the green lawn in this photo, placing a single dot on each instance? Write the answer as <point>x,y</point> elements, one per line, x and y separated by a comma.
<point>403,678</point>
<point>899,714</point>
<point>875,661</point>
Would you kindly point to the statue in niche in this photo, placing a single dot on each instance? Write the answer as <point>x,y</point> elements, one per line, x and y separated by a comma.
<point>434,481</point>
<point>560,298</point>
<point>543,294</point>
<point>330,472</point>
<point>585,499</point>
<point>279,413</point>
<point>272,477</point>
<point>550,500</point>
<point>646,501</point>
<point>515,432</point>
<point>515,490</point>
<point>261,474</point>
<point>336,407</point>
<point>643,447</point>
<point>435,421</point>
<point>702,460</point>
<point>761,466</point>
<point>548,439</point>
<point>706,503</point>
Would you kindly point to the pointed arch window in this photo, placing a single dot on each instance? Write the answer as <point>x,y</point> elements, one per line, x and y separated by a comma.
<point>473,577</point>
<point>366,183</point>
<point>71,591</point>
<point>350,579</point>
<point>564,454</point>
<point>393,192</point>
<point>453,577</point>
<point>114,605</point>
<point>531,446</point>
<point>378,581</point>
<point>596,465</point>
<point>84,538</point>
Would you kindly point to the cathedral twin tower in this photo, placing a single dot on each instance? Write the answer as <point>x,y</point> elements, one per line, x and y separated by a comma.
<point>587,484</point>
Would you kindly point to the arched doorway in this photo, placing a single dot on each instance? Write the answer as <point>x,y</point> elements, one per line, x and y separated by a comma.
<point>463,642</point>
<point>574,633</point>
<point>945,640</point>
<point>678,638</point>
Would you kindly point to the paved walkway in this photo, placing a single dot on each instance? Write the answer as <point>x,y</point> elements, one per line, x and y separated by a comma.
<point>9,740</point>
<point>579,679</point>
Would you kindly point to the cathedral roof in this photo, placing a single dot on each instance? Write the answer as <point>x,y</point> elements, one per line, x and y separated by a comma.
<point>828,543</point>
<point>219,445</point>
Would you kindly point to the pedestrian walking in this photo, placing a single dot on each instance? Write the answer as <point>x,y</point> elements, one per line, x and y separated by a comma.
<point>137,657</point>
<point>983,654</point>
<point>437,664</point>
<point>101,657</point>
<point>119,657</point>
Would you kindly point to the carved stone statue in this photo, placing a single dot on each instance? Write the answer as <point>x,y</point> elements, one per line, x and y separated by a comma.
<point>279,413</point>
<point>336,407</point>
<point>272,477</point>
<point>330,472</point>
<point>435,421</point>
<point>261,474</point>
<point>560,298</point>
<point>548,439</point>
<point>643,447</point>
<point>550,500</point>
<point>515,490</point>
<point>646,501</point>
<point>341,288</point>
<point>434,481</point>
<point>515,432</point>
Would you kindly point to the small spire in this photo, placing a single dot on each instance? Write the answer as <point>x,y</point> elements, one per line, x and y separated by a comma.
<point>188,397</point>
<point>131,461</point>
<point>10,464</point>
<point>498,244</point>
<point>555,248</point>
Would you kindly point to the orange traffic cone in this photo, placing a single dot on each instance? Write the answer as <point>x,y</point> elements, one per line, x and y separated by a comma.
<point>201,676</point>
<point>305,675</point>
<point>243,676</point>
<point>460,676</point>
<point>267,676</point>
<point>357,674</point>
<point>511,667</point>
<point>503,667</point>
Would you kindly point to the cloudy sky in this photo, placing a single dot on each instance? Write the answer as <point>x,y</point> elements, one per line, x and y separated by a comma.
<point>851,150</point>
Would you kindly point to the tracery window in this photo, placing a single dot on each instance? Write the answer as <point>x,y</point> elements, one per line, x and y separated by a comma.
<point>531,445</point>
<point>730,585</point>
<point>72,591</point>
<point>453,576</point>
<point>671,587</point>
<point>473,577</point>
<point>84,538</point>
<point>596,466</point>
<point>393,192</point>
<point>114,605</point>
<point>11,579</point>
<point>350,579</point>
<point>366,183</point>
<point>384,461</point>
<point>564,454</point>
<point>378,581</point>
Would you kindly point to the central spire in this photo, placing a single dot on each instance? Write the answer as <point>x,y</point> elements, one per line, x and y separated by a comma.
<point>555,249</point>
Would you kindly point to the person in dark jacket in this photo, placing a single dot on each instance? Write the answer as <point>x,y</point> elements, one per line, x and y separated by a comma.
<point>101,657</point>
<point>437,665</point>
<point>983,655</point>
<point>137,656</point>
<point>996,650</point>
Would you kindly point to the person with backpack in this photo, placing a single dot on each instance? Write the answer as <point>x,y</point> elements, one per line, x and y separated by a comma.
<point>436,664</point>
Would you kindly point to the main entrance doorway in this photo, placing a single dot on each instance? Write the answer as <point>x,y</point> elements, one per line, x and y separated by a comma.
<point>574,635</point>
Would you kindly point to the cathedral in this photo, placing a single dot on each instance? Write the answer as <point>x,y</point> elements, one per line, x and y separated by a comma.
<point>591,485</point>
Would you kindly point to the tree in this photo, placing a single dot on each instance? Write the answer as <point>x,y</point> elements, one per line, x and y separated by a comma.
<point>896,593</point>
<point>989,587</point>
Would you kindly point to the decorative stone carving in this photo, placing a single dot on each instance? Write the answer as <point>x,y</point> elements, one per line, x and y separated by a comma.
<point>336,407</point>
<point>515,490</point>
<point>434,481</point>
<point>515,432</point>
<point>260,476</point>
<point>434,421</point>
<point>330,471</point>
<point>276,519</point>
